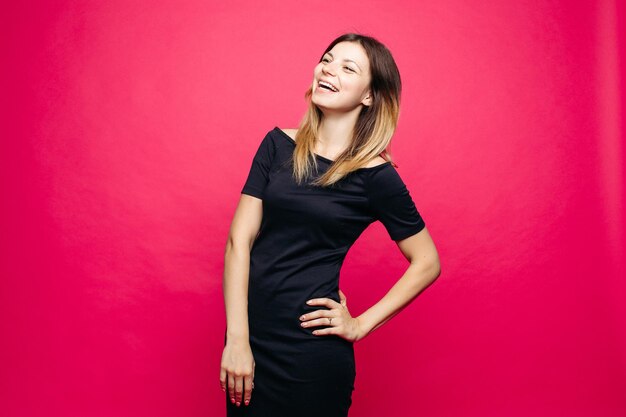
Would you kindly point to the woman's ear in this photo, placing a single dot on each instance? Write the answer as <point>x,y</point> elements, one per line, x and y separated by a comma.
<point>367,101</point>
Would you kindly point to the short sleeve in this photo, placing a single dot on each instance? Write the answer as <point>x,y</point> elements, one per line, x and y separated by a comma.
<point>391,203</point>
<point>258,177</point>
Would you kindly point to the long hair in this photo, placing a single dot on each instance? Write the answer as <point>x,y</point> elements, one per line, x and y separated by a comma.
<point>375,124</point>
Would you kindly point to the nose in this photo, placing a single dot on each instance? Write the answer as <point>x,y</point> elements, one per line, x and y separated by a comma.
<point>326,69</point>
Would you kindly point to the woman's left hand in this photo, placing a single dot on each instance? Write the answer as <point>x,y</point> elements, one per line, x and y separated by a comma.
<point>338,317</point>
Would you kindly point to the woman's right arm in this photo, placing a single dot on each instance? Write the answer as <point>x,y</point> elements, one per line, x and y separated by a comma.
<point>237,368</point>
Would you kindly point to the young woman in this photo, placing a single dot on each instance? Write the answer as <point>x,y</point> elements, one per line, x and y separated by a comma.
<point>310,193</point>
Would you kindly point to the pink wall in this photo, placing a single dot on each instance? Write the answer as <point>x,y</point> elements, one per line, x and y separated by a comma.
<point>128,133</point>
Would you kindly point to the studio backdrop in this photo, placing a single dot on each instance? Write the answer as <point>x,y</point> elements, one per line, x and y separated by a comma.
<point>128,130</point>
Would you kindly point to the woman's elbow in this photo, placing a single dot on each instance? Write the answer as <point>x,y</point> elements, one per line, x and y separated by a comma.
<point>239,242</point>
<point>434,267</point>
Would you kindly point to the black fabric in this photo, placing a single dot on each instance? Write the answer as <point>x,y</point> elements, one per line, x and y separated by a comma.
<point>305,234</point>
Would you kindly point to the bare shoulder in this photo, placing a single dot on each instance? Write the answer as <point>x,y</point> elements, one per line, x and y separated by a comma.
<point>290,132</point>
<point>379,160</point>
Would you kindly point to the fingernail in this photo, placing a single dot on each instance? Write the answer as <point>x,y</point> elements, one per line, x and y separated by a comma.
<point>308,302</point>
<point>247,402</point>
<point>238,403</point>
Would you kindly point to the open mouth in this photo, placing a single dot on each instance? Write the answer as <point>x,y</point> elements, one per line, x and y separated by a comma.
<point>327,86</point>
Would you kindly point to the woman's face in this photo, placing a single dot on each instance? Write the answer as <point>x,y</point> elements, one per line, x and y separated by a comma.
<point>346,67</point>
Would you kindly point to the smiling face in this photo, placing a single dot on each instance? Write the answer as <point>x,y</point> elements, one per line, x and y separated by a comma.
<point>346,66</point>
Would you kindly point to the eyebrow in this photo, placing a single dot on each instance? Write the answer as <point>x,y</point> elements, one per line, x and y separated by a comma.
<point>344,59</point>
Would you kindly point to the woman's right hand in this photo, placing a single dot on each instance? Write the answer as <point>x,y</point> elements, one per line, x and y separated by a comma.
<point>237,372</point>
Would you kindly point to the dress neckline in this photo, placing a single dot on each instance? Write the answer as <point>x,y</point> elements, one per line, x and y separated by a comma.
<point>330,161</point>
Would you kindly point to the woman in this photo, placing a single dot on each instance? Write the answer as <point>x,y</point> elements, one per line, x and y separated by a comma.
<point>310,193</point>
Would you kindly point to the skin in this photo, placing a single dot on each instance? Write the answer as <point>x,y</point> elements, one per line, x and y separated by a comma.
<point>340,114</point>
<point>347,67</point>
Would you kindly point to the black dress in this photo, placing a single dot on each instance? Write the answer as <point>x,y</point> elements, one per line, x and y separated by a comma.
<point>304,237</point>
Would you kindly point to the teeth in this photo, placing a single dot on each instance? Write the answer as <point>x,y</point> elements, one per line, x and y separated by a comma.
<point>328,85</point>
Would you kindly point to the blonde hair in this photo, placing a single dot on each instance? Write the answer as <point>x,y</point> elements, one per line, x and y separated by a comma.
<point>374,127</point>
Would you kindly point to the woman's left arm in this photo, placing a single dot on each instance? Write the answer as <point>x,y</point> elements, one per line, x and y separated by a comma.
<point>423,270</point>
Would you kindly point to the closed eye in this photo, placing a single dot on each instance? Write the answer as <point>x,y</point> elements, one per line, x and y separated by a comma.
<point>327,60</point>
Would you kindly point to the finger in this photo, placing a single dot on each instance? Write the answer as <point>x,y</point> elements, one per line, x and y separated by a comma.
<point>328,302</point>
<point>321,302</point>
<point>223,379</point>
<point>323,321</point>
<point>314,315</point>
<point>238,390</point>
<point>247,382</point>
<point>231,387</point>
<point>317,314</point>
<point>324,332</point>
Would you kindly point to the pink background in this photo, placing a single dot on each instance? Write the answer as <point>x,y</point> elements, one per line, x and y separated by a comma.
<point>128,131</point>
